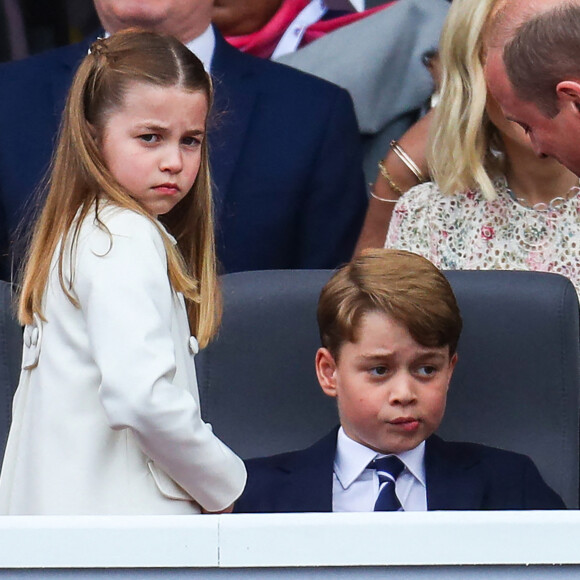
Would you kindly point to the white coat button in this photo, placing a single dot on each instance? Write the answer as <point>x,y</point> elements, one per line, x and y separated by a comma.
<point>193,345</point>
<point>32,340</point>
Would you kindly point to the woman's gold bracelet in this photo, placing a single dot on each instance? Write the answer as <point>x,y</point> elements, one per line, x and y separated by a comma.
<point>382,198</point>
<point>404,157</point>
<point>390,181</point>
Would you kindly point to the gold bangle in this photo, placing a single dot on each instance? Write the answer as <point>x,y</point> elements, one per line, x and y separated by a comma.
<point>382,198</point>
<point>411,165</point>
<point>389,179</point>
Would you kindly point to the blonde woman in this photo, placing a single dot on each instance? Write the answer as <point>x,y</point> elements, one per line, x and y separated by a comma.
<point>492,203</point>
<point>106,416</point>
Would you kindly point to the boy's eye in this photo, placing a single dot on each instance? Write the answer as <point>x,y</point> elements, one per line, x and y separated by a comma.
<point>149,137</point>
<point>379,371</point>
<point>426,370</point>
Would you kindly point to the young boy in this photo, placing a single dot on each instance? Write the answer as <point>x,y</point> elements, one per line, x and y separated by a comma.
<point>389,325</point>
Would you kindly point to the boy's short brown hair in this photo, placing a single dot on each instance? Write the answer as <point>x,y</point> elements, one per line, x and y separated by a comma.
<point>400,284</point>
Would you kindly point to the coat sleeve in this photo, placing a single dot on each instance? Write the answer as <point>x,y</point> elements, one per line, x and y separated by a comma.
<point>122,285</point>
<point>335,198</point>
<point>538,495</point>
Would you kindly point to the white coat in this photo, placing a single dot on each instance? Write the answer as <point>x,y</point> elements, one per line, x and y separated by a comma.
<point>106,417</point>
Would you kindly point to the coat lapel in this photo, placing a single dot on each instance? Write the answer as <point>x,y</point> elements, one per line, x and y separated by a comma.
<point>453,481</point>
<point>236,96</point>
<point>62,79</point>
<point>309,475</point>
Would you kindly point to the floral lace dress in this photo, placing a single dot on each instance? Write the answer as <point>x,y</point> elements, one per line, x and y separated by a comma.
<point>467,232</point>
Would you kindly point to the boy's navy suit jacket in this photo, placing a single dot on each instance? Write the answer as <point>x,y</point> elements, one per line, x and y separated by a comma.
<point>460,476</point>
<point>284,149</point>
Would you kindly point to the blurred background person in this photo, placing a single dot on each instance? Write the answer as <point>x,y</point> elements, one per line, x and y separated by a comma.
<point>374,50</point>
<point>272,28</point>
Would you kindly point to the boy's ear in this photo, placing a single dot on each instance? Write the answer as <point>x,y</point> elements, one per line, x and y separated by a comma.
<point>452,363</point>
<point>326,371</point>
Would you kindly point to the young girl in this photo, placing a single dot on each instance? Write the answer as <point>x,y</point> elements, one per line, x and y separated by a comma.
<point>106,417</point>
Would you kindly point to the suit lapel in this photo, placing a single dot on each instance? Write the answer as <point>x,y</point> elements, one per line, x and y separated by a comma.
<point>235,98</point>
<point>453,481</point>
<point>61,81</point>
<point>309,475</point>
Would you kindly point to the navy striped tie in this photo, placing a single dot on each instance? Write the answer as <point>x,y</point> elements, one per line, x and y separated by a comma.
<point>388,469</point>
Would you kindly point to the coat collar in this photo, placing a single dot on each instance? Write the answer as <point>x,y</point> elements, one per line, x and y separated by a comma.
<point>452,479</point>
<point>312,473</point>
<point>453,482</point>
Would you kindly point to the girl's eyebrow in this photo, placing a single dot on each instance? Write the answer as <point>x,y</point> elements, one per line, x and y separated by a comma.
<point>153,127</point>
<point>158,128</point>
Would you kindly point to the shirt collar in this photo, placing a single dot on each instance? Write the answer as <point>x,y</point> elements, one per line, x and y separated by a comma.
<point>352,458</point>
<point>414,461</point>
<point>203,46</point>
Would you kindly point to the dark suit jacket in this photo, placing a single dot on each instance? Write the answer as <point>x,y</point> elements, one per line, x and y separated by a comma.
<point>460,476</point>
<point>284,151</point>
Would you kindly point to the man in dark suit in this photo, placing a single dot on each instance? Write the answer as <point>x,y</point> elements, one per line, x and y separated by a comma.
<point>284,146</point>
<point>389,325</point>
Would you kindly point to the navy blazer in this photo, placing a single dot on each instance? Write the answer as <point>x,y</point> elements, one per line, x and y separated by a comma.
<point>284,150</point>
<point>459,476</point>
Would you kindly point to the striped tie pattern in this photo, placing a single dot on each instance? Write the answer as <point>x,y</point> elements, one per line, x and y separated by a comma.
<point>388,469</point>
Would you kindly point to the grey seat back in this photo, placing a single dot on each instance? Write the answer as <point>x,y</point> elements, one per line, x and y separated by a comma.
<point>517,382</point>
<point>257,381</point>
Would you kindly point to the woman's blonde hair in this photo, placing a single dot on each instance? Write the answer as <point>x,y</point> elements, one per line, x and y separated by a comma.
<point>462,138</point>
<point>80,182</point>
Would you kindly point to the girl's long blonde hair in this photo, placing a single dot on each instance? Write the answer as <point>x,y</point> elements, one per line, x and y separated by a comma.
<point>462,138</point>
<point>79,180</point>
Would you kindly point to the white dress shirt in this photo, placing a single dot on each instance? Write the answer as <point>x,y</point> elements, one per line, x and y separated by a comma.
<point>355,488</point>
<point>203,47</point>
